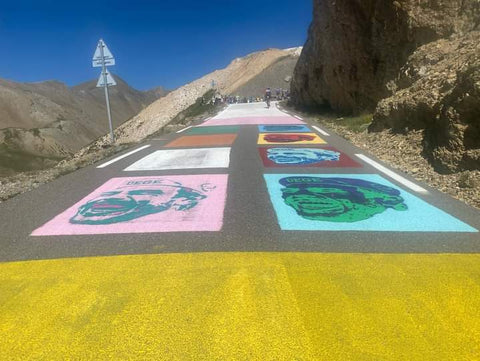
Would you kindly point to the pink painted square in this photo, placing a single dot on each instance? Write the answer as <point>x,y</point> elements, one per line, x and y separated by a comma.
<point>146,205</point>
<point>276,120</point>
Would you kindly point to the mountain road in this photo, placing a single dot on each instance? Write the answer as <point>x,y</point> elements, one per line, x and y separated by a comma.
<point>253,235</point>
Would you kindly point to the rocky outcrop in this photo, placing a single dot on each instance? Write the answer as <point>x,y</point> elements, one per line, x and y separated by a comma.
<point>356,48</point>
<point>439,91</point>
<point>276,76</point>
<point>415,59</point>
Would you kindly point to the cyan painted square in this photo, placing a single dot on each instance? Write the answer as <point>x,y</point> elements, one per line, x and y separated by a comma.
<point>292,128</point>
<point>353,202</point>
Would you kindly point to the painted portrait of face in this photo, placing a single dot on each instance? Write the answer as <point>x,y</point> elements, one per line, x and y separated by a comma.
<point>339,199</point>
<point>138,199</point>
<point>301,156</point>
<point>288,138</point>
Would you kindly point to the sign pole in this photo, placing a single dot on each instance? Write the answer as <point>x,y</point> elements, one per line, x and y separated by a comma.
<point>105,85</point>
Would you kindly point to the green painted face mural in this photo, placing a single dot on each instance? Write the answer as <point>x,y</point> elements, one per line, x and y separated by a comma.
<point>339,199</point>
<point>138,199</point>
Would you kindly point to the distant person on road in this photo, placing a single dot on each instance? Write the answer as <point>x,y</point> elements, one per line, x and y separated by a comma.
<point>268,96</point>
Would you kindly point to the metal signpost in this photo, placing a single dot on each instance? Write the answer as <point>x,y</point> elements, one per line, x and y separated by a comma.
<point>103,58</point>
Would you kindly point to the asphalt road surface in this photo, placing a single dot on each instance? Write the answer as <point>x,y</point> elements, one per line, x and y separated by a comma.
<point>253,235</point>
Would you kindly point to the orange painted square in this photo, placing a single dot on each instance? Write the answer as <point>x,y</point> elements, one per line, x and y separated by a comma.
<point>203,140</point>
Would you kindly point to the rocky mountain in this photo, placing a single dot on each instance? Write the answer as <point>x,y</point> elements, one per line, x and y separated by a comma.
<point>238,73</point>
<point>414,63</point>
<point>276,76</point>
<point>46,121</point>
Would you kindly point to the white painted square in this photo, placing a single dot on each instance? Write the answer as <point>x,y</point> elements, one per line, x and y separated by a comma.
<point>183,159</point>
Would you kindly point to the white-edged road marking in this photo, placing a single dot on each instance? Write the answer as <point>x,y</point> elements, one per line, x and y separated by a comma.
<point>123,156</point>
<point>184,129</point>
<point>393,175</point>
<point>321,131</point>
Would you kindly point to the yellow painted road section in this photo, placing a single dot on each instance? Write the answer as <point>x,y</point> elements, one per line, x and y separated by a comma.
<point>242,306</point>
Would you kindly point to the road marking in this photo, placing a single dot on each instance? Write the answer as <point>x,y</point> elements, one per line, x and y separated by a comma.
<point>289,138</point>
<point>299,118</point>
<point>321,131</point>
<point>261,306</point>
<point>123,156</point>
<point>183,159</point>
<point>254,120</point>
<point>155,204</point>
<point>390,208</point>
<point>393,175</point>
<point>184,129</point>
<point>203,140</point>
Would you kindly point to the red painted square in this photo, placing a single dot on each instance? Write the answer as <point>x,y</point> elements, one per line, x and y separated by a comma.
<point>326,157</point>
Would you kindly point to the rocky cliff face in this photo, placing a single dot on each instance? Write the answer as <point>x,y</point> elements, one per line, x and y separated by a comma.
<point>276,76</point>
<point>418,58</point>
<point>439,91</point>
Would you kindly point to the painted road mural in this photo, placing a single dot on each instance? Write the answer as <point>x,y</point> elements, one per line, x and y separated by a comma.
<point>272,120</point>
<point>289,138</point>
<point>221,129</point>
<point>283,129</point>
<point>184,159</point>
<point>254,290</point>
<point>146,204</point>
<point>353,203</point>
<point>305,157</point>
<point>203,140</point>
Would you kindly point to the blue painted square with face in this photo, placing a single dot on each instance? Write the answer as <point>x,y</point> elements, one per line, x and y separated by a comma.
<point>294,128</point>
<point>353,202</point>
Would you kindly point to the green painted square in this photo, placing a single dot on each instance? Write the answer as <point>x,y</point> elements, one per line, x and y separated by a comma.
<point>220,129</point>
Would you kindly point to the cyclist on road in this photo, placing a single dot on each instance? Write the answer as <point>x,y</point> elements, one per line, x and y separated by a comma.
<point>268,96</point>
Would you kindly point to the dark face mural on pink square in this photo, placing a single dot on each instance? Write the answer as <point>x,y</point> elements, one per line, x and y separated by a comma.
<point>146,205</point>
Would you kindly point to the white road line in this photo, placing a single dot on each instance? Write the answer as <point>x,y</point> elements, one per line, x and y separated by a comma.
<point>123,156</point>
<point>393,175</point>
<point>184,129</point>
<point>299,118</point>
<point>321,131</point>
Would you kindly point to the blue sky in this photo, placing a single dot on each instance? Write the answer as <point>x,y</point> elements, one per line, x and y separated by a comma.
<point>155,42</point>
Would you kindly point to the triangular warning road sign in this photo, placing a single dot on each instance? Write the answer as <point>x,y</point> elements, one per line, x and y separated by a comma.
<point>107,54</point>
<point>110,80</point>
